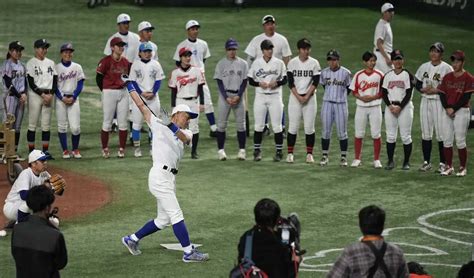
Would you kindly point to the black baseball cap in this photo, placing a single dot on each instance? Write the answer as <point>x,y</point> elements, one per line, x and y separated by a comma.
<point>16,45</point>
<point>368,55</point>
<point>333,54</point>
<point>303,43</point>
<point>397,54</point>
<point>266,44</point>
<point>438,46</point>
<point>42,43</point>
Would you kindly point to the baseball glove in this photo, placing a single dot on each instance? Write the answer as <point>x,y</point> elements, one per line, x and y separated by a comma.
<point>58,184</point>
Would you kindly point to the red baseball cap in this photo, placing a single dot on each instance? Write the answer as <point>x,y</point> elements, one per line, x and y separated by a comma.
<point>117,41</point>
<point>458,55</point>
<point>183,51</point>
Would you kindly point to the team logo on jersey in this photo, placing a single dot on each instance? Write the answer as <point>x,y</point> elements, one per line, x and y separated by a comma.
<point>397,83</point>
<point>302,73</point>
<point>50,70</point>
<point>66,76</point>
<point>364,85</point>
<point>262,73</point>
<point>153,74</point>
<point>18,74</point>
<point>185,80</point>
<point>437,77</point>
<point>334,82</point>
<point>139,74</point>
<point>38,71</point>
<point>232,73</point>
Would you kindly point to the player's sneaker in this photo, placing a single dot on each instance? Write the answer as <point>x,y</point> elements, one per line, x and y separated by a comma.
<point>390,165</point>
<point>441,168</point>
<point>309,158</point>
<point>241,155</point>
<point>105,153</point>
<point>257,155</point>
<point>131,245</point>
<point>137,152</point>
<point>76,154</point>
<point>66,154</point>
<point>448,171</point>
<point>356,163</point>
<point>324,160</point>
<point>377,164</point>
<point>290,158</point>
<point>221,155</point>
<point>462,172</point>
<point>121,153</point>
<point>406,166</point>
<point>278,156</point>
<point>343,162</point>
<point>425,167</point>
<point>195,256</point>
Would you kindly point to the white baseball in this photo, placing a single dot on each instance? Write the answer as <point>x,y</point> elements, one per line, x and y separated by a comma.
<point>3,233</point>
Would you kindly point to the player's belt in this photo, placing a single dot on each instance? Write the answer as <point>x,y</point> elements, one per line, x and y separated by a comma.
<point>68,96</point>
<point>396,103</point>
<point>189,98</point>
<point>232,91</point>
<point>172,170</point>
<point>272,93</point>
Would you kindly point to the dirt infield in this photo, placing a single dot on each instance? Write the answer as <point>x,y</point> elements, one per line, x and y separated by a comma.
<point>83,194</point>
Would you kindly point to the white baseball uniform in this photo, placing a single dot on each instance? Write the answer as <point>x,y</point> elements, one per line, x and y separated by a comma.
<point>42,72</point>
<point>281,48</point>
<point>25,181</point>
<point>268,99</point>
<point>130,50</point>
<point>145,75</point>
<point>431,110</point>
<point>67,83</point>
<point>200,52</point>
<point>303,73</point>
<point>365,84</point>
<point>383,31</point>
<point>397,86</point>
<point>186,84</point>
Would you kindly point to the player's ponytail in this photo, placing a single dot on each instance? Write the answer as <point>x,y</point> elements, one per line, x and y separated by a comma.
<point>8,55</point>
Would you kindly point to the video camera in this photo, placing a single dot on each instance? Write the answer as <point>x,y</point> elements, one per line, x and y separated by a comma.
<point>289,230</point>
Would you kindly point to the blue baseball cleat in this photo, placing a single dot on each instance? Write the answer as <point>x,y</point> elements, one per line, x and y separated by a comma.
<point>195,256</point>
<point>131,245</point>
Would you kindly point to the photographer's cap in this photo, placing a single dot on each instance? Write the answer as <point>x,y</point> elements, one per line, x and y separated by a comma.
<point>122,18</point>
<point>184,108</point>
<point>36,155</point>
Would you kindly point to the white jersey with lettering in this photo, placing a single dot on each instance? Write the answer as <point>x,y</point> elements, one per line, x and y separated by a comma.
<point>262,71</point>
<point>130,50</point>
<point>432,75</point>
<point>145,74</point>
<point>68,77</point>
<point>42,72</point>
<point>303,72</point>
<point>186,82</point>
<point>199,49</point>
<point>367,84</point>
<point>281,47</point>
<point>397,84</point>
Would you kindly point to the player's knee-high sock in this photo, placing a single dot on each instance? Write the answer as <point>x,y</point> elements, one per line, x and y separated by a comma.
<point>257,140</point>
<point>278,141</point>
<point>45,135</point>
<point>291,140</point>
<point>181,233</point>
<point>30,137</point>
<point>63,140</point>
<point>241,138</point>
<point>390,151</point>
<point>310,138</point>
<point>448,154</point>
<point>247,123</point>
<point>407,152</point>
<point>75,141</point>
<point>195,142</point>
<point>122,138</point>
<point>104,139</point>
<point>462,157</point>
<point>212,121</point>
<point>357,147</point>
<point>136,137</point>
<point>343,144</point>
<point>17,140</point>
<point>220,139</point>
<point>325,146</point>
<point>442,159</point>
<point>426,147</point>
<point>147,229</point>
<point>377,147</point>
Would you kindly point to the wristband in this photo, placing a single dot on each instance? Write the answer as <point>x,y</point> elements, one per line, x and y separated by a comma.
<point>174,128</point>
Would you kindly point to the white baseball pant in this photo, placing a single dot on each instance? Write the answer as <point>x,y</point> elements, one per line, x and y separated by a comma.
<point>404,121</point>
<point>456,128</point>
<point>10,209</point>
<point>208,107</point>
<point>272,103</point>
<point>373,114</point>
<point>115,101</point>
<point>37,109</point>
<point>381,64</point>
<point>68,114</point>
<point>307,111</point>
<point>431,117</point>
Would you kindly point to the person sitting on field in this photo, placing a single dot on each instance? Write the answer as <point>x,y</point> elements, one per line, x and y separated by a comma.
<point>372,256</point>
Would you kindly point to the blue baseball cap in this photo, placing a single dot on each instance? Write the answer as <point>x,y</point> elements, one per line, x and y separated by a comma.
<point>231,44</point>
<point>66,46</point>
<point>146,46</point>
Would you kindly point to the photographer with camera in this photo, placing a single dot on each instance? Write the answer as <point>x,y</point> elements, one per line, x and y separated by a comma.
<point>275,244</point>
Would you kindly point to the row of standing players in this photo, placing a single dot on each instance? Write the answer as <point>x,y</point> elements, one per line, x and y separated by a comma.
<point>267,73</point>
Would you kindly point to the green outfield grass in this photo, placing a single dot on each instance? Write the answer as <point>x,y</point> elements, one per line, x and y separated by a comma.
<point>218,197</point>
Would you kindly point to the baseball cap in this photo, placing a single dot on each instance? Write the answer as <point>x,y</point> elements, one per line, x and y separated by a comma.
<point>38,155</point>
<point>184,108</point>
<point>268,18</point>
<point>41,43</point>
<point>333,54</point>
<point>192,23</point>
<point>145,25</point>
<point>185,51</point>
<point>368,55</point>
<point>458,55</point>
<point>396,54</point>
<point>121,18</point>
<point>66,46</point>
<point>438,46</point>
<point>117,41</point>
<point>146,46</point>
<point>266,44</point>
<point>16,45</point>
<point>231,44</point>
<point>387,7</point>
<point>303,43</point>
